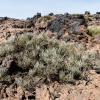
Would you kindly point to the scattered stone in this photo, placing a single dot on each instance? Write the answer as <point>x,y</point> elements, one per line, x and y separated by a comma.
<point>42,93</point>
<point>92,72</point>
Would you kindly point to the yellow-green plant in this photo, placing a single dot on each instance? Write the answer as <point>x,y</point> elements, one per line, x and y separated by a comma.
<point>94,30</point>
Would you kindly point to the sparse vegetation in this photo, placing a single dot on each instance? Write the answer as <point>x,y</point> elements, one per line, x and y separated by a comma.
<point>43,58</point>
<point>94,30</point>
<point>3,72</point>
<point>88,18</point>
<point>48,17</point>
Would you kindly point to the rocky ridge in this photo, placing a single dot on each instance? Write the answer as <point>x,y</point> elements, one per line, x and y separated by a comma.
<point>67,27</point>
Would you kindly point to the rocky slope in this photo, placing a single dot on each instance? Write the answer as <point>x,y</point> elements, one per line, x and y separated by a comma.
<point>65,27</point>
<point>84,90</point>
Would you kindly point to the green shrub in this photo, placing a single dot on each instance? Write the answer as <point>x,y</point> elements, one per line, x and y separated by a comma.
<point>28,82</point>
<point>45,17</point>
<point>3,72</point>
<point>43,57</point>
<point>76,14</point>
<point>88,18</point>
<point>94,30</point>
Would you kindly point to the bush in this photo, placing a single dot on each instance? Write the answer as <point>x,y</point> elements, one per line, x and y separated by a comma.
<point>94,30</point>
<point>88,18</point>
<point>3,72</point>
<point>45,17</point>
<point>48,58</point>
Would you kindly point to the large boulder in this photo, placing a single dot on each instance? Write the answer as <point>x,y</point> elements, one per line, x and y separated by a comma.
<point>67,24</point>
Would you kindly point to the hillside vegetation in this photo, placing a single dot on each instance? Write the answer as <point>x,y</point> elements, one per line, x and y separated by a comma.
<point>39,57</point>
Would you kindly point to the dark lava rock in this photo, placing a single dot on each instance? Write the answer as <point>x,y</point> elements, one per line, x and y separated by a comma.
<point>97,16</point>
<point>97,12</point>
<point>69,22</point>
<point>87,12</point>
<point>9,65</point>
<point>51,14</point>
<point>38,15</point>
